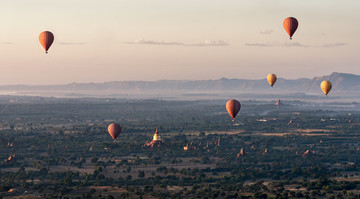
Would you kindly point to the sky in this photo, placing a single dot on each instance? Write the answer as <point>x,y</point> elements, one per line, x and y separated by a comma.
<point>148,40</point>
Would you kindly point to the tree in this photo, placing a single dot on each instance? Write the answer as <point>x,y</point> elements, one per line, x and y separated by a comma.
<point>94,160</point>
<point>110,197</point>
<point>141,174</point>
<point>68,180</point>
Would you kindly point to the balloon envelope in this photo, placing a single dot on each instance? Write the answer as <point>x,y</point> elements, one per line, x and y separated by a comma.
<point>114,130</point>
<point>233,107</point>
<point>46,38</point>
<point>271,79</point>
<point>290,25</point>
<point>326,86</point>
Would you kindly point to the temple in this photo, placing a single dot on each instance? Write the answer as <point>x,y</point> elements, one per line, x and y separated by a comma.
<point>156,142</point>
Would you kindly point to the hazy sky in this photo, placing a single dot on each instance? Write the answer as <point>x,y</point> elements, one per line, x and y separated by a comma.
<point>116,40</point>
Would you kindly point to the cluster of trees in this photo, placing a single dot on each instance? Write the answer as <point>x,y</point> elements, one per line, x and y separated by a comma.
<point>48,137</point>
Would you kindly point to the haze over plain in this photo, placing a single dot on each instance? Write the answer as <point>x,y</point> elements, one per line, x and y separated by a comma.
<point>150,40</point>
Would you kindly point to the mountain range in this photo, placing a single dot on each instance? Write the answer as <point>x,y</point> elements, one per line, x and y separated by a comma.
<point>340,82</point>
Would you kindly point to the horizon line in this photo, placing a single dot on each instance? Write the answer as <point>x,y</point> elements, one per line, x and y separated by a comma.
<point>91,82</point>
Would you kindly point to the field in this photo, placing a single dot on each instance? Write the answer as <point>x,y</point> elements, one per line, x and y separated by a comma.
<point>61,149</point>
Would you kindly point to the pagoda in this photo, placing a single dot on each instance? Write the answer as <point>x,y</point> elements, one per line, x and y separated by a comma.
<point>156,142</point>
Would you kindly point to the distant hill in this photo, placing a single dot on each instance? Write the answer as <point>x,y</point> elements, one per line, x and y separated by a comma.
<point>341,81</point>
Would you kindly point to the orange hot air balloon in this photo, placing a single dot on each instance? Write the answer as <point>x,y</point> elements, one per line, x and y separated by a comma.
<point>271,79</point>
<point>233,107</point>
<point>46,38</point>
<point>290,24</point>
<point>326,86</point>
<point>114,130</point>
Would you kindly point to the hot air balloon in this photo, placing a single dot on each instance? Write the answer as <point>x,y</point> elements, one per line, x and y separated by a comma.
<point>271,79</point>
<point>290,24</point>
<point>114,130</point>
<point>326,86</point>
<point>233,107</point>
<point>46,38</point>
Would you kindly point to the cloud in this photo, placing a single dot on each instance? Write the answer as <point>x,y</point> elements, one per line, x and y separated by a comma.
<point>211,43</point>
<point>259,44</point>
<point>6,42</point>
<point>333,45</point>
<point>266,32</point>
<point>165,43</point>
<point>72,43</point>
<point>296,44</point>
<point>154,42</point>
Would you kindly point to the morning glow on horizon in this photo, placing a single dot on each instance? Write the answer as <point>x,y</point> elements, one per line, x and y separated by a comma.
<point>157,39</point>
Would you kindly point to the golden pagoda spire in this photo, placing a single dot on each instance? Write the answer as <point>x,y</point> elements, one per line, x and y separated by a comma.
<point>156,137</point>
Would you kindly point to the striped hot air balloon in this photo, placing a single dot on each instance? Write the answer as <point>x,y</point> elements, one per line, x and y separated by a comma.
<point>233,107</point>
<point>290,25</point>
<point>114,130</point>
<point>271,79</point>
<point>46,38</point>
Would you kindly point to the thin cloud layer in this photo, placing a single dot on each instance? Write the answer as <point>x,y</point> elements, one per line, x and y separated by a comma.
<point>266,32</point>
<point>296,44</point>
<point>154,42</point>
<point>211,43</point>
<point>165,43</point>
<point>259,44</point>
<point>333,45</point>
<point>72,43</point>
